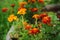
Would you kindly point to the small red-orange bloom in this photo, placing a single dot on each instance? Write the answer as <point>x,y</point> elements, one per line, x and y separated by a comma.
<point>41,1</point>
<point>31,1</point>
<point>4,9</point>
<point>34,31</point>
<point>12,5</point>
<point>43,15</point>
<point>46,20</point>
<point>28,27</point>
<point>34,9</point>
<point>36,16</point>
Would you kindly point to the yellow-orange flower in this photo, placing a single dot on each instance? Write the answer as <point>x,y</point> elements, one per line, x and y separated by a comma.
<point>22,4</point>
<point>22,11</point>
<point>36,16</point>
<point>12,17</point>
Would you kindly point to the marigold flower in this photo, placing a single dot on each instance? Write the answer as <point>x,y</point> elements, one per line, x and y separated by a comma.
<point>34,9</point>
<point>12,5</point>
<point>31,1</point>
<point>28,27</point>
<point>12,17</point>
<point>34,31</point>
<point>42,15</point>
<point>4,9</point>
<point>22,4</point>
<point>46,20</point>
<point>22,11</point>
<point>41,1</point>
<point>35,16</point>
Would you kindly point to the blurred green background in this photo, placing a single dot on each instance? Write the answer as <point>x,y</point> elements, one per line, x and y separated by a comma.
<point>4,24</point>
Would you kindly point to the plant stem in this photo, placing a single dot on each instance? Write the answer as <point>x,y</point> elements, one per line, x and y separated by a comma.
<point>36,23</point>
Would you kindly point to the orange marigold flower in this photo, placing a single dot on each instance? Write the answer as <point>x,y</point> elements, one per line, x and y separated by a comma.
<point>4,9</point>
<point>31,1</point>
<point>28,27</point>
<point>46,20</point>
<point>36,16</point>
<point>41,1</point>
<point>34,9</point>
<point>22,4</point>
<point>22,11</point>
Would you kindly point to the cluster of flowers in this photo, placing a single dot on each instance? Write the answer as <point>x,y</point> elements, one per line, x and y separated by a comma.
<point>22,11</point>
<point>30,29</point>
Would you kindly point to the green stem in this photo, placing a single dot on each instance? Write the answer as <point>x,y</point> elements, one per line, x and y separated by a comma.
<point>36,23</point>
<point>22,20</point>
